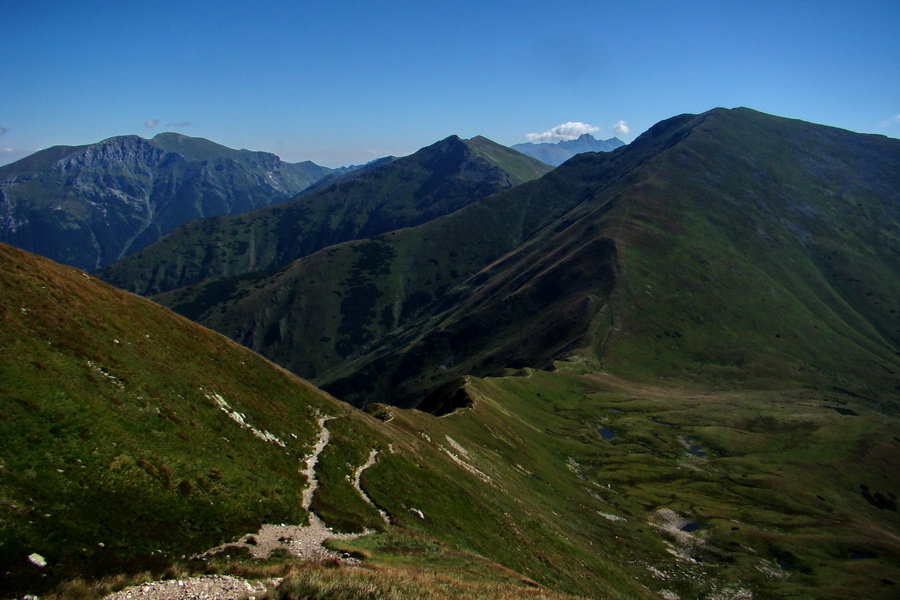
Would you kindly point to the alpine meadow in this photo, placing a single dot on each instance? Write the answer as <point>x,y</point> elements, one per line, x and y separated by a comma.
<point>667,369</point>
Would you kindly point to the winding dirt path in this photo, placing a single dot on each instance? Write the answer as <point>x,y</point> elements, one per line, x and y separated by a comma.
<point>312,459</point>
<point>305,541</point>
<point>301,540</point>
<point>357,475</point>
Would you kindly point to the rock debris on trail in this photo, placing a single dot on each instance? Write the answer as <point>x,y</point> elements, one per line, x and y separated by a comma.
<point>305,541</point>
<point>217,587</point>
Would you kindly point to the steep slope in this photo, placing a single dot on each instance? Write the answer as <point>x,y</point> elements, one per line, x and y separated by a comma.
<point>90,205</point>
<point>434,181</point>
<point>725,247</point>
<point>117,441</point>
<point>133,437</point>
<point>557,153</point>
<point>325,311</point>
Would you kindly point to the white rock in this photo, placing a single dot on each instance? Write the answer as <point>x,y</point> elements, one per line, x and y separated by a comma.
<point>37,559</point>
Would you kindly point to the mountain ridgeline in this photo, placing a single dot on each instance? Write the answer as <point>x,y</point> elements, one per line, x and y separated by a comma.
<point>87,206</point>
<point>669,370</point>
<point>557,153</point>
<point>434,181</point>
<point>725,247</point>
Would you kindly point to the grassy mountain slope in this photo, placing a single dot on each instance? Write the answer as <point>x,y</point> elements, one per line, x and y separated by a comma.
<point>115,447</point>
<point>118,457</point>
<point>726,247</point>
<point>434,181</point>
<point>733,493</point>
<point>763,248</point>
<point>90,205</point>
<point>327,309</point>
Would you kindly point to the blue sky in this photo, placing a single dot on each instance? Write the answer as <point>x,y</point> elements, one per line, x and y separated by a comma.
<point>342,82</point>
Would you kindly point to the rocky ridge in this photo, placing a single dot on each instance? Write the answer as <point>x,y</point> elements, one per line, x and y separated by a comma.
<point>87,206</point>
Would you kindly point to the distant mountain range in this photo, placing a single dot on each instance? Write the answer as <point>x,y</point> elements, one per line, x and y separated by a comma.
<point>377,198</point>
<point>555,154</point>
<point>613,255</point>
<point>87,206</point>
<point>670,370</point>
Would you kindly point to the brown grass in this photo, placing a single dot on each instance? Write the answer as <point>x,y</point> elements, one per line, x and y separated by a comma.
<point>337,582</point>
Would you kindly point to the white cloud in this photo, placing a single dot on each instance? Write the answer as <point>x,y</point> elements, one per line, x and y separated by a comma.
<point>566,131</point>
<point>151,123</point>
<point>8,150</point>
<point>895,120</point>
<point>621,128</point>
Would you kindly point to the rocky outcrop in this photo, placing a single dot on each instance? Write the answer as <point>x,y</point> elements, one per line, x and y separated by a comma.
<point>90,205</point>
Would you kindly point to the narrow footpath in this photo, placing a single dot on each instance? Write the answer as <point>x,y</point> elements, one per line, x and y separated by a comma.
<point>305,541</point>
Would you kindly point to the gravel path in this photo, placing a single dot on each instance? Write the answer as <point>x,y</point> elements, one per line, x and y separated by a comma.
<point>209,587</point>
<point>312,459</point>
<point>304,541</point>
<point>373,455</point>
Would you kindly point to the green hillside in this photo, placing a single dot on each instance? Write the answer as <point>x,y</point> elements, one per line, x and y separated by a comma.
<point>115,448</point>
<point>729,248</point>
<point>435,181</point>
<point>325,310</point>
<point>134,437</point>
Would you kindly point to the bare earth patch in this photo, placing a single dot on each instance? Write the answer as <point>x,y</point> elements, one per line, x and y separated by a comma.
<point>219,587</point>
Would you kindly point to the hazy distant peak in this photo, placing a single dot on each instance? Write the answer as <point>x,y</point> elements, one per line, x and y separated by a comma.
<point>555,154</point>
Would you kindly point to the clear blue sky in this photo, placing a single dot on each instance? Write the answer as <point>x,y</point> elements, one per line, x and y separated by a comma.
<point>341,82</point>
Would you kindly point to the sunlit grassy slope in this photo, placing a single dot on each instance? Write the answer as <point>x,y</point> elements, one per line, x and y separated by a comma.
<point>119,453</point>
<point>680,489</point>
<point>114,445</point>
<point>117,458</point>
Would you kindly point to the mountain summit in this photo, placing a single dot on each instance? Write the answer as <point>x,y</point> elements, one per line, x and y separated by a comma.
<point>557,153</point>
<point>730,245</point>
<point>405,192</point>
<point>87,206</point>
